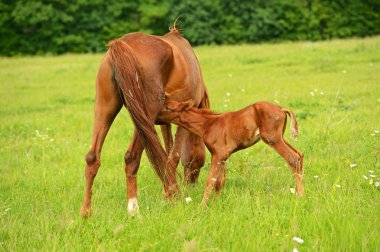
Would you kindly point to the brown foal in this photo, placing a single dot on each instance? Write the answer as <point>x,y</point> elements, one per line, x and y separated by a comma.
<point>229,132</point>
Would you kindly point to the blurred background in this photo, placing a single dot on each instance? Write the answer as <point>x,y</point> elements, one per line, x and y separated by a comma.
<point>60,26</point>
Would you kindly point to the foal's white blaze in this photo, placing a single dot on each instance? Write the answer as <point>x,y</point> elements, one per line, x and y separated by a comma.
<point>133,207</point>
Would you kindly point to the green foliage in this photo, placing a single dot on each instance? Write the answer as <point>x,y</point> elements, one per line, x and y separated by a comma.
<point>50,26</point>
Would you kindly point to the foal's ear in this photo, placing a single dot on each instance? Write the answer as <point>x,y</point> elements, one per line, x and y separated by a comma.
<point>179,106</point>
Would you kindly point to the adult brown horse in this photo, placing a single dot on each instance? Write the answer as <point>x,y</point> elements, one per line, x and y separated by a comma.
<point>139,70</point>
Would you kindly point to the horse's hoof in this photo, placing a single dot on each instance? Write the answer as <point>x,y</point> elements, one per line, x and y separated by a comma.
<point>133,207</point>
<point>85,212</point>
<point>172,192</point>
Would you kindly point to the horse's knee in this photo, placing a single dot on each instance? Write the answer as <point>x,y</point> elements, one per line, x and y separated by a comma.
<point>90,158</point>
<point>93,164</point>
<point>128,158</point>
<point>131,164</point>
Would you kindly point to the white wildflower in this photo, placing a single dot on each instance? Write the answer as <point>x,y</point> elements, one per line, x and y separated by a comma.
<point>371,182</point>
<point>321,93</point>
<point>365,177</point>
<point>316,176</point>
<point>316,90</point>
<point>338,186</point>
<point>353,165</point>
<point>372,175</point>
<point>292,190</point>
<point>372,134</point>
<point>376,131</point>
<point>370,171</point>
<point>188,199</point>
<point>297,239</point>
<point>228,94</point>
<point>377,183</point>
<point>312,93</point>
<point>295,250</point>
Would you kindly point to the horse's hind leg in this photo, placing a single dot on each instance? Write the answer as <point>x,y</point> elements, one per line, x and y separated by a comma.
<point>107,105</point>
<point>132,163</point>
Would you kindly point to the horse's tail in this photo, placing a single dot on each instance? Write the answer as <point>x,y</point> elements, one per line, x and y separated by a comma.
<point>130,81</point>
<point>293,122</point>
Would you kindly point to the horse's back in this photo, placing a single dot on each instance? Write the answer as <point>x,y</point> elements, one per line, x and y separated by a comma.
<point>185,80</point>
<point>154,55</point>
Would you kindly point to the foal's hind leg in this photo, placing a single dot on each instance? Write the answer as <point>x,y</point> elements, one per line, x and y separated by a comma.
<point>294,158</point>
<point>107,105</point>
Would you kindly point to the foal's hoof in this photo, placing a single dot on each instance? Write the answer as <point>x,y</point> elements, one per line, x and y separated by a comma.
<point>85,212</point>
<point>133,207</point>
<point>299,194</point>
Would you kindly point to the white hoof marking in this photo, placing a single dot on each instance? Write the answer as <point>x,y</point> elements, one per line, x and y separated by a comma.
<point>133,207</point>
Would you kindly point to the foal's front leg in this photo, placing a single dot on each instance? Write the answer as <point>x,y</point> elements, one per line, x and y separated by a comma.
<point>216,178</point>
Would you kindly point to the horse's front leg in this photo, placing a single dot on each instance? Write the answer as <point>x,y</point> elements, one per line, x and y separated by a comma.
<point>167,136</point>
<point>193,155</point>
<point>170,186</point>
<point>132,162</point>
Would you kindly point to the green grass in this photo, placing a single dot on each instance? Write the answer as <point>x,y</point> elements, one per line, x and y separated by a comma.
<point>46,116</point>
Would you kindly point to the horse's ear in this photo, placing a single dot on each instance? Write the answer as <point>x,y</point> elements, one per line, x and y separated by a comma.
<point>179,106</point>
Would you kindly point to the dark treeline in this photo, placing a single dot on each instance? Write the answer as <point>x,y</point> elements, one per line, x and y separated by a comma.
<point>59,26</point>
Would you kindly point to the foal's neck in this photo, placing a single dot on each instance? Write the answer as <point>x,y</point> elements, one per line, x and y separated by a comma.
<point>195,120</point>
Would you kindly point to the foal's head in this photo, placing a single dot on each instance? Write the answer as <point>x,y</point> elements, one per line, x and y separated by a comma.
<point>178,106</point>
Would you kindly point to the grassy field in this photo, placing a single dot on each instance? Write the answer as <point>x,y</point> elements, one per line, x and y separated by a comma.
<point>46,116</point>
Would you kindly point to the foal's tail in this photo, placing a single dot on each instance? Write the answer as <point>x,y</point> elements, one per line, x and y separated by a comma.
<point>130,81</point>
<point>293,122</point>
